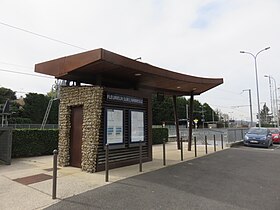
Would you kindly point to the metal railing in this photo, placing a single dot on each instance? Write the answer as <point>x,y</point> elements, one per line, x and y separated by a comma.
<point>230,135</point>
<point>32,126</point>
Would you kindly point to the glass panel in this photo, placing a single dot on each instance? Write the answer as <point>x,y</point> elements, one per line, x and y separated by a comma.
<point>137,126</point>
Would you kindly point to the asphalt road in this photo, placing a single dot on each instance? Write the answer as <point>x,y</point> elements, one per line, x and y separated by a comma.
<point>237,178</point>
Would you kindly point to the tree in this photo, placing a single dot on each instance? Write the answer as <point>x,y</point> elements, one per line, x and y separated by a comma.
<point>35,107</point>
<point>53,116</point>
<point>163,110</point>
<point>14,107</point>
<point>6,94</point>
<point>266,117</point>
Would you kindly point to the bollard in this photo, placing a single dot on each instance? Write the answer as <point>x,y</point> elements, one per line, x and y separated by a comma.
<point>222,140</point>
<point>163,149</point>
<point>215,143</point>
<point>54,174</point>
<point>206,152</point>
<point>140,156</point>
<point>195,151</point>
<point>107,163</point>
<point>182,155</point>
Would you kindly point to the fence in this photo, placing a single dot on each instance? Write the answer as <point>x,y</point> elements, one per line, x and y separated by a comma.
<point>32,126</point>
<point>6,145</point>
<point>229,134</point>
<point>236,134</point>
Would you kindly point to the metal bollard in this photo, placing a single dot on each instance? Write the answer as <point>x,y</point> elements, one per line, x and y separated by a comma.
<point>222,140</point>
<point>195,151</point>
<point>107,163</point>
<point>182,155</point>
<point>215,149</point>
<point>140,156</point>
<point>54,174</point>
<point>163,151</point>
<point>206,152</point>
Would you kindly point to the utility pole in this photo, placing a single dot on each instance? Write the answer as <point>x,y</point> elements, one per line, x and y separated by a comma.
<point>250,102</point>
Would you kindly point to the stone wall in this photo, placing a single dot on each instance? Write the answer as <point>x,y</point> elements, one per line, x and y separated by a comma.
<point>91,100</point>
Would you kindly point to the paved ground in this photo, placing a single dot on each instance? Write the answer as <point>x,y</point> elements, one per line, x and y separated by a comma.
<point>237,178</point>
<point>27,182</point>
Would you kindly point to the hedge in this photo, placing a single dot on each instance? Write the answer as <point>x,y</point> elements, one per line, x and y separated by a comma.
<point>158,134</point>
<point>37,142</point>
<point>34,142</point>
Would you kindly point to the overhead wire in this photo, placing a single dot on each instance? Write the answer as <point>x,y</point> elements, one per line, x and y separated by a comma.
<point>12,64</point>
<point>40,35</point>
<point>24,73</point>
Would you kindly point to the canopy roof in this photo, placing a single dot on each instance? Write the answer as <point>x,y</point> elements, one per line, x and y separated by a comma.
<point>105,68</point>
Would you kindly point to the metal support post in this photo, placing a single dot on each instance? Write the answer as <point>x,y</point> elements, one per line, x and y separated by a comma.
<point>215,143</point>
<point>182,155</point>
<point>206,151</point>
<point>140,156</point>
<point>107,163</point>
<point>163,149</point>
<point>222,140</point>
<point>54,174</point>
<point>195,151</point>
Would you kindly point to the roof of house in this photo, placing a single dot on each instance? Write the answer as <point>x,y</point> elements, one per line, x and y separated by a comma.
<point>105,68</point>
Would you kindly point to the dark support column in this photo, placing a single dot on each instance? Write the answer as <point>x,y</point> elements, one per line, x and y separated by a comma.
<point>190,120</point>
<point>176,122</point>
<point>150,123</point>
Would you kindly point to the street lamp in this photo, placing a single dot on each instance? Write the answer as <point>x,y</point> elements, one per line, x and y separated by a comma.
<point>257,82</point>
<point>276,100</point>
<point>250,101</point>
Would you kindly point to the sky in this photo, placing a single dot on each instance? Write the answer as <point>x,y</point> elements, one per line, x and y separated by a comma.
<point>195,37</point>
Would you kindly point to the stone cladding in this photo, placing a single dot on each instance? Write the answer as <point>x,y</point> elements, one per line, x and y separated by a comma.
<point>91,99</point>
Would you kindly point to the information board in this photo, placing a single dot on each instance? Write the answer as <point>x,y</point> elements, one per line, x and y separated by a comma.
<point>137,126</point>
<point>114,126</point>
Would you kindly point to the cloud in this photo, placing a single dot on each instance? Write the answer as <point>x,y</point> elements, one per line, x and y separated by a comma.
<point>207,14</point>
<point>196,37</point>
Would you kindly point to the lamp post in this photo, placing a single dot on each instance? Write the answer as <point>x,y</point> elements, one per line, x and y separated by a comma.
<point>257,82</point>
<point>276,100</point>
<point>250,101</point>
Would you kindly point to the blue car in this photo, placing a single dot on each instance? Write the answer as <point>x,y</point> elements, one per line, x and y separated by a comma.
<point>261,137</point>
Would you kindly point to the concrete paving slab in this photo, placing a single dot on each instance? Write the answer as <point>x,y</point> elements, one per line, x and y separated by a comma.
<point>14,195</point>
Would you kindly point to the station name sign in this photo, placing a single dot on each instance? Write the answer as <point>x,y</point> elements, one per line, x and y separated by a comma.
<point>124,98</point>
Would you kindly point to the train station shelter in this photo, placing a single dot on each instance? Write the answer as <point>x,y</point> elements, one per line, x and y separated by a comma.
<point>107,100</point>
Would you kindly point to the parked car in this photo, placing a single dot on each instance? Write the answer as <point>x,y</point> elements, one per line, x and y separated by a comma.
<point>261,137</point>
<point>275,135</point>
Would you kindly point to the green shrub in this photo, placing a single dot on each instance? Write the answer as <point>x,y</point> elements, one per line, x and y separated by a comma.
<point>34,142</point>
<point>159,134</point>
